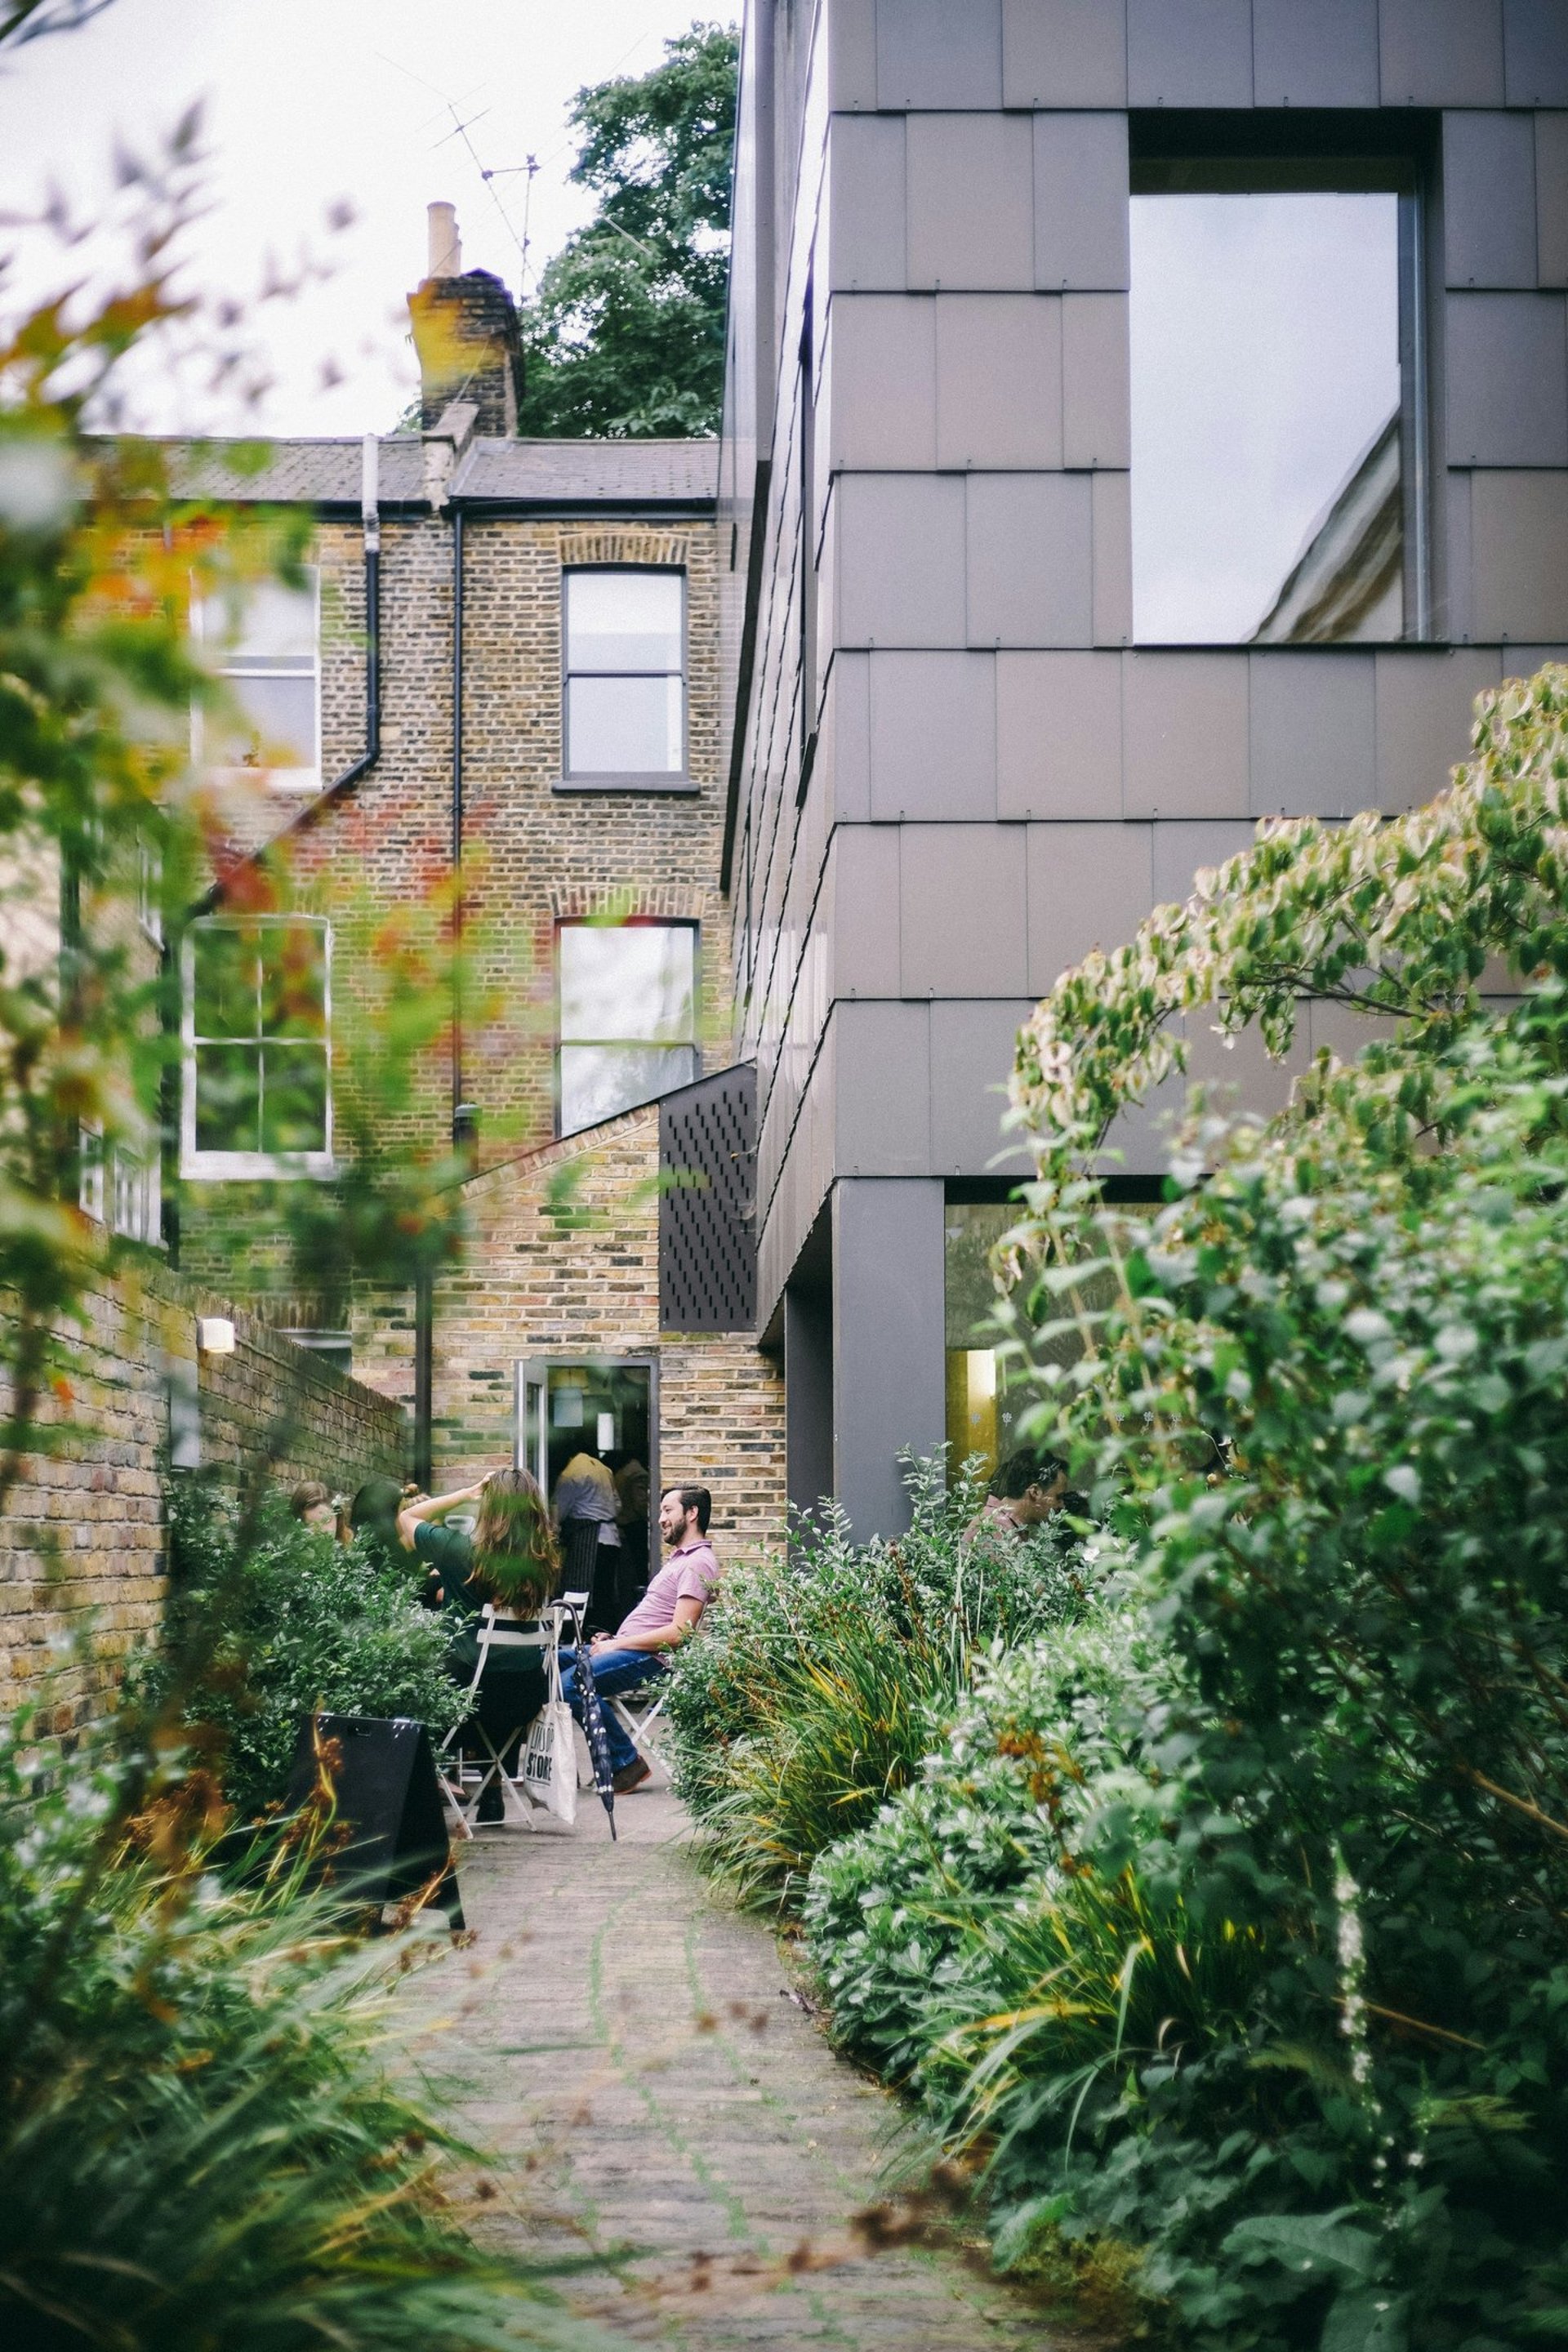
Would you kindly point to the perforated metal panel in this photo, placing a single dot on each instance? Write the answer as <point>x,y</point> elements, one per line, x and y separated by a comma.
<point>706,1234</point>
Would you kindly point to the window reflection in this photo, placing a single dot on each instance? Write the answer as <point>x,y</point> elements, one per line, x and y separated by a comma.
<point>628,1016</point>
<point>1267,503</point>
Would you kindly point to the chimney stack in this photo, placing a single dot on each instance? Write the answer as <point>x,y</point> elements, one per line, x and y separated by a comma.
<point>445,245</point>
<point>466,332</point>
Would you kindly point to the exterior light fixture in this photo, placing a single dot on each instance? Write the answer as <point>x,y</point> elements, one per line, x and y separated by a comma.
<point>215,1335</point>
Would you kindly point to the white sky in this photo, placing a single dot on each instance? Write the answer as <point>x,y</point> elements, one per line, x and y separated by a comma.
<point>1265,361</point>
<point>308,102</point>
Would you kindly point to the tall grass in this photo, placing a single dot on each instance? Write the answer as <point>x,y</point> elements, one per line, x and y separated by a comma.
<point>824,1676</point>
<point>211,2132</point>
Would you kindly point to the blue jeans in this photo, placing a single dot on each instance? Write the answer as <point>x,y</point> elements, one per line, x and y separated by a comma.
<point>614,1671</point>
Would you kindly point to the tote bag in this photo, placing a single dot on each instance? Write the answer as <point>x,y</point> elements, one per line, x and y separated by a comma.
<point>550,1753</point>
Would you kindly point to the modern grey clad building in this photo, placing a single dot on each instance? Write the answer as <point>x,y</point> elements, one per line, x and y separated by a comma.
<point>1143,415</point>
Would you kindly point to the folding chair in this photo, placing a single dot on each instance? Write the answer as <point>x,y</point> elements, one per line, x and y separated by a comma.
<point>638,1713</point>
<point>464,1779</point>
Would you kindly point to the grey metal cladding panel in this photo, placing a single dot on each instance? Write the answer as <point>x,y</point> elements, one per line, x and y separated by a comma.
<point>1324,54</point>
<point>971,202</point>
<point>1080,201</point>
<point>1523,661</point>
<point>1182,852</point>
<point>882,389</point>
<point>1423,708</point>
<point>1551,198</point>
<point>932,54</point>
<point>852,55</point>
<point>1454,615</point>
<point>1184,735</point>
<point>1489,199</point>
<point>901,559</point>
<point>847,731</point>
<point>1535,48</point>
<point>1240,1075</point>
<point>1090,886</point>
<point>1097,380</point>
<point>961,910</point>
<point>865,910</point>
<point>933,736</point>
<point>971,1048</point>
<point>1064,52</point>
<point>998,380</point>
<point>1189,52</point>
<point>1507,380</point>
<point>1313,733</point>
<point>1440,52</point>
<point>1519,554</point>
<point>882,1088</point>
<point>1058,734</point>
<point>1030,560</point>
<point>866,231</point>
<point>1111,508</point>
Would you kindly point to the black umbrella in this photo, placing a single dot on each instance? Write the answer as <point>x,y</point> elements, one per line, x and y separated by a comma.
<point>596,1733</point>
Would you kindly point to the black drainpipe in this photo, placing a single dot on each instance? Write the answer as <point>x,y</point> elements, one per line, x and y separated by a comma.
<point>369,509</point>
<point>463,1116</point>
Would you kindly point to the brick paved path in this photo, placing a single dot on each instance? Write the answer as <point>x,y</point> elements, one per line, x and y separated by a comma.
<point>683,2124</point>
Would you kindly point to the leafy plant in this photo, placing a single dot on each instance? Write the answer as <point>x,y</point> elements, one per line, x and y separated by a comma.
<point>298,1621</point>
<point>211,2131</point>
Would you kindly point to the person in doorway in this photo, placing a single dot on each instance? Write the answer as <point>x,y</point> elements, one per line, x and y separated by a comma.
<point>586,1505</point>
<point>632,1498</point>
<point>510,1561</point>
<point>667,1614</point>
<point>1028,1486</point>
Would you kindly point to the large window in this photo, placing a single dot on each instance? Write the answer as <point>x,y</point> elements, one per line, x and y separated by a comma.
<point>626,673</point>
<point>1277,439</point>
<point>258,1097</point>
<point>265,646</point>
<point>628,1016</point>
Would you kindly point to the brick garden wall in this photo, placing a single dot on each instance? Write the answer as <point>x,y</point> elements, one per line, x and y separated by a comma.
<point>564,1260</point>
<point>84,1529</point>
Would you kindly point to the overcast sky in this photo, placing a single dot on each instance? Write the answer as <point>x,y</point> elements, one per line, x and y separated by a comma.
<point>309,103</point>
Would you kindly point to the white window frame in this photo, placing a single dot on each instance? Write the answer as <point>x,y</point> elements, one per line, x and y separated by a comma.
<point>649,780</point>
<point>230,1166</point>
<point>304,781</point>
<point>121,1188</point>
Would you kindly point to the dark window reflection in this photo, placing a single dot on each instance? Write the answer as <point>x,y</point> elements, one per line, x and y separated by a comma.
<point>1267,496</point>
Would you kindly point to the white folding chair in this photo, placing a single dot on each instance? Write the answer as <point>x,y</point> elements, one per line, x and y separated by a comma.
<point>465,1778</point>
<point>637,1712</point>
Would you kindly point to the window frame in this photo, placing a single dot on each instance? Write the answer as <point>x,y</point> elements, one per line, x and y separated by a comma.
<point>628,780</point>
<point>305,781</point>
<point>1291,152</point>
<point>632,922</point>
<point>230,1166</point>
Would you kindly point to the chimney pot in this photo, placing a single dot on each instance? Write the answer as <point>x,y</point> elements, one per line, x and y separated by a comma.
<point>445,245</point>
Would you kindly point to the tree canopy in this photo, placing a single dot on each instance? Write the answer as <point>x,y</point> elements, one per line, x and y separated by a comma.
<point>625,333</point>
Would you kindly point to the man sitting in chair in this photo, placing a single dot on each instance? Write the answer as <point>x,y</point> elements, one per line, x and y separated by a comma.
<point>667,1614</point>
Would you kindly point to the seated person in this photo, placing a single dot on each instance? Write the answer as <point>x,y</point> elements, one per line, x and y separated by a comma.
<point>1028,1486</point>
<point>667,1614</point>
<point>511,1561</point>
<point>312,1506</point>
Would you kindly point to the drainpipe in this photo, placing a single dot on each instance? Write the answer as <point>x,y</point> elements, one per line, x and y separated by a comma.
<point>463,1113</point>
<point>370,512</point>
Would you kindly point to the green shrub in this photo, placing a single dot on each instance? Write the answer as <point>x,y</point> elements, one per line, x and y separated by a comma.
<point>208,2136</point>
<point>823,1677</point>
<point>298,1621</point>
<point>902,1920</point>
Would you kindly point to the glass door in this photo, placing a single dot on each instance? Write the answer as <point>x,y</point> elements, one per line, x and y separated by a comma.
<point>587,1428</point>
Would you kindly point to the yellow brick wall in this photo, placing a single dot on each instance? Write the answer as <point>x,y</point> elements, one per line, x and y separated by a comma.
<point>563,1260</point>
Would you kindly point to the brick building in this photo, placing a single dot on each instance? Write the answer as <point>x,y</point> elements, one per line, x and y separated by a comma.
<point>508,661</point>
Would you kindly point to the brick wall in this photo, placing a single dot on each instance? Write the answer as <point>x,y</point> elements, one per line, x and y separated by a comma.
<point>84,1529</point>
<point>564,1260</point>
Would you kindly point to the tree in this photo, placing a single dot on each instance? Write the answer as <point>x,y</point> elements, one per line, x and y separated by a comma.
<point>626,334</point>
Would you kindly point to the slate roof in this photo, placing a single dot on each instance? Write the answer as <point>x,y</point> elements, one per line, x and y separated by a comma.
<point>545,473</point>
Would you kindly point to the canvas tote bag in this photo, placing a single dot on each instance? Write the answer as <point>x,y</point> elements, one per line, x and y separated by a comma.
<point>550,1754</point>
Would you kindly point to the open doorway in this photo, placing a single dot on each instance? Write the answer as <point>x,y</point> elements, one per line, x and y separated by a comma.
<point>579,1411</point>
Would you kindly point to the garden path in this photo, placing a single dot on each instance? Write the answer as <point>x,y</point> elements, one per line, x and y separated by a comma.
<point>682,2124</point>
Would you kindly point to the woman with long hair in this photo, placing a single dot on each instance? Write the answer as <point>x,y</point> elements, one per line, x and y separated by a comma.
<point>510,1560</point>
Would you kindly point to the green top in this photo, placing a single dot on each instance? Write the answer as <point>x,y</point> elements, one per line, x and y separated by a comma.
<point>450,1554</point>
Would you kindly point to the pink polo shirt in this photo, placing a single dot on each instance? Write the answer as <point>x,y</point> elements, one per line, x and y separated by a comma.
<point>689,1574</point>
